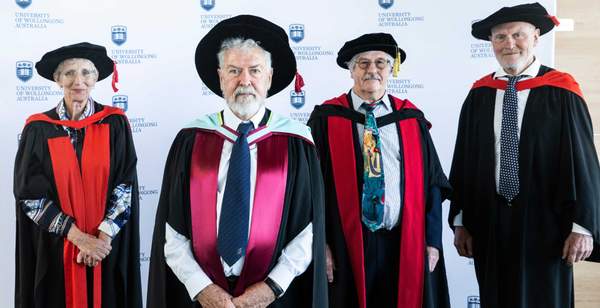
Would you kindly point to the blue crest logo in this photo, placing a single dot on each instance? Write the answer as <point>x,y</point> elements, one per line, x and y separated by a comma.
<point>297,99</point>
<point>118,34</point>
<point>386,4</point>
<point>297,32</point>
<point>24,70</point>
<point>120,101</point>
<point>207,4</point>
<point>23,3</point>
<point>472,301</point>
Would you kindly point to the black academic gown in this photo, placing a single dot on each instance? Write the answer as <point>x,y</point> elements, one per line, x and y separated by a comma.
<point>39,277</point>
<point>517,249</point>
<point>303,203</point>
<point>342,291</point>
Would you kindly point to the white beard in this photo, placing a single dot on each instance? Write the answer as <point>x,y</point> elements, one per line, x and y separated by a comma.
<point>247,106</point>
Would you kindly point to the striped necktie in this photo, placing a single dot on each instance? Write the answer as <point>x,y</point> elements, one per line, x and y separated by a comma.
<point>233,222</point>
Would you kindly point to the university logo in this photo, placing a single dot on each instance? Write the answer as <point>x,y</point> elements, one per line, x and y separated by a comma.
<point>23,3</point>
<point>297,32</point>
<point>24,70</point>
<point>297,99</point>
<point>118,34</point>
<point>120,101</point>
<point>207,4</point>
<point>472,301</point>
<point>386,4</point>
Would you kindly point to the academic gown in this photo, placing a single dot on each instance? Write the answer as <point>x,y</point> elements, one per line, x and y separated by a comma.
<point>517,249</point>
<point>302,196</point>
<point>39,271</point>
<point>344,291</point>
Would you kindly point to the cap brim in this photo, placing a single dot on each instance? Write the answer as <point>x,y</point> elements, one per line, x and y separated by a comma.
<point>48,64</point>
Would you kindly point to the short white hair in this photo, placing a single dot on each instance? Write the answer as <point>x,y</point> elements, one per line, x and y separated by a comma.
<point>352,63</point>
<point>62,64</point>
<point>243,44</point>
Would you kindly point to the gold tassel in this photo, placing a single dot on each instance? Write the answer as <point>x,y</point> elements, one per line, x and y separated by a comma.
<point>396,65</point>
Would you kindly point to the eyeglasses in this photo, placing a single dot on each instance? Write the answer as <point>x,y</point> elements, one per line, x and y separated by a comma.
<point>86,74</point>
<point>379,63</point>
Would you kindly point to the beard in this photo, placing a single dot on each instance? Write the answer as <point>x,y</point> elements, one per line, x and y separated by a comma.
<point>245,102</point>
<point>515,67</point>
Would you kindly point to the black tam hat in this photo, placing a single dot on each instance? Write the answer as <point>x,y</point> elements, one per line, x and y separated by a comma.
<point>95,53</point>
<point>268,35</point>
<point>533,13</point>
<point>368,42</point>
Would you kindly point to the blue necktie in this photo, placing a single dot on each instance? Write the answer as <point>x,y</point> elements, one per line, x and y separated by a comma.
<point>235,209</point>
<point>373,195</point>
<point>509,142</point>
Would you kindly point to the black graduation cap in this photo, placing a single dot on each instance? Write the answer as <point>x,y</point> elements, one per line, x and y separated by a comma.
<point>268,35</point>
<point>95,53</point>
<point>372,41</point>
<point>533,13</point>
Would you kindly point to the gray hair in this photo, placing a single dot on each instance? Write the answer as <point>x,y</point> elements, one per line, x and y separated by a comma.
<point>352,63</point>
<point>62,64</point>
<point>243,44</point>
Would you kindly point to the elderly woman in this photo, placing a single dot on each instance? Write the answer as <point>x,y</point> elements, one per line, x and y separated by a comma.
<point>75,187</point>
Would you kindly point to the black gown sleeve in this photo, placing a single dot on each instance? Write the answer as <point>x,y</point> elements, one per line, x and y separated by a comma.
<point>164,289</point>
<point>304,204</point>
<point>121,279</point>
<point>458,169</point>
<point>437,189</point>
<point>123,165</point>
<point>33,186</point>
<point>579,167</point>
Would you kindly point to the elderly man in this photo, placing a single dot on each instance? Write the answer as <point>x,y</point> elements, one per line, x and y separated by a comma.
<point>383,187</point>
<point>240,217</point>
<point>525,171</point>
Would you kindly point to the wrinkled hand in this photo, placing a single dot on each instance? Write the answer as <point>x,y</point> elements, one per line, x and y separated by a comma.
<point>214,296</point>
<point>257,295</point>
<point>91,249</point>
<point>105,237</point>
<point>329,264</point>
<point>88,259</point>
<point>578,247</point>
<point>463,241</point>
<point>433,255</point>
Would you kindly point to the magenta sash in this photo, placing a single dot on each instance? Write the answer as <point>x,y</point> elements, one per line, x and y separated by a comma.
<point>269,196</point>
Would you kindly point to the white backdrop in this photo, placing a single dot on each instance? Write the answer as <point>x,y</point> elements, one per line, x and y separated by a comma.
<point>154,43</point>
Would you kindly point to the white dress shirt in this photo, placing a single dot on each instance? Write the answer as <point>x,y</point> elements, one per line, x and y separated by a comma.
<point>390,149</point>
<point>294,259</point>
<point>522,96</point>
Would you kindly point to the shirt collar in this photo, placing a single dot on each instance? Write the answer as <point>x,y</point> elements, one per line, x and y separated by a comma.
<point>357,101</point>
<point>232,121</point>
<point>529,72</point>
<point>61,110</point>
